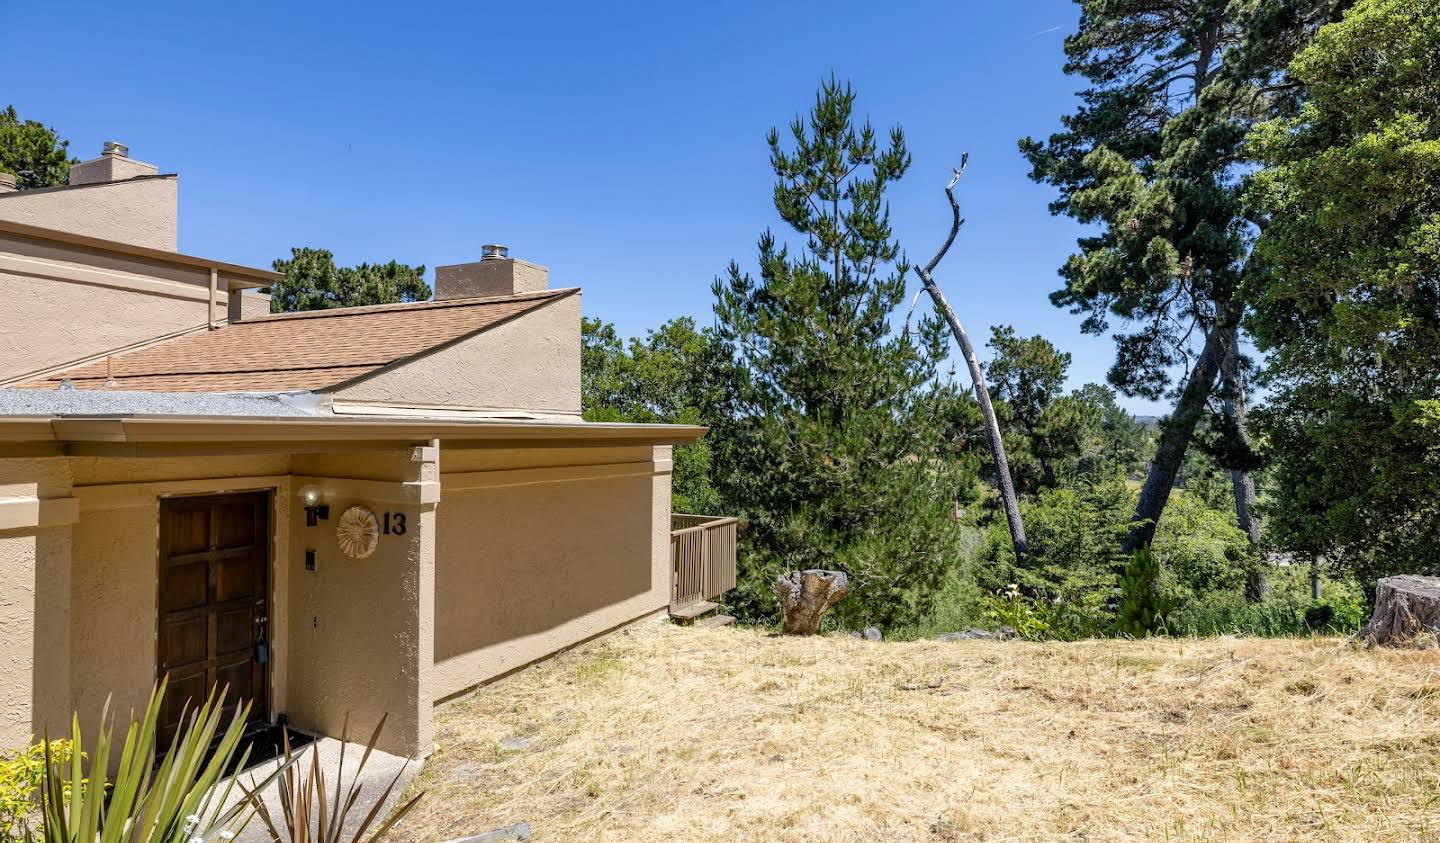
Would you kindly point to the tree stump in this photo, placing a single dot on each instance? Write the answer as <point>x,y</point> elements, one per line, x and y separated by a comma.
<point>805,597</point>
<point>1406,607</point>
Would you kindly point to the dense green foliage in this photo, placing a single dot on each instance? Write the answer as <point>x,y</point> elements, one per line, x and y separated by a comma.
<point>32,152</point>
<point>669,377</point>
<point>313,282</point>
<point>1052,437</point>
<point>1349,309</point>
<point>831,444</point>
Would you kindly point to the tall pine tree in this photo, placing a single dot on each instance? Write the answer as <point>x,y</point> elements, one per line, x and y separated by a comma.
<point>1153,159</point>
<point>831,445</point>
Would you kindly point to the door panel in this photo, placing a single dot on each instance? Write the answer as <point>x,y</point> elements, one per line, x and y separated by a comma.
<point>214,561</point>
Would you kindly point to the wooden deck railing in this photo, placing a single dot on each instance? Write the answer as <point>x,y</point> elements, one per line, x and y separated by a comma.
<point>702,557</point>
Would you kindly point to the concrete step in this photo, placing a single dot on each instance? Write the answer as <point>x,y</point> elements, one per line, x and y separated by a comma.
<point>690,611</point>
<point>715,620</point>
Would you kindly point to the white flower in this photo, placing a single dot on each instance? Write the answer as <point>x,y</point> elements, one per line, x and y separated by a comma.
<point>191,822</point>
<point>227,835</point>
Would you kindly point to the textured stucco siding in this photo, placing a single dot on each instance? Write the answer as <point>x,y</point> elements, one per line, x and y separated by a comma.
<point>530,363</point>
<point>528,563</point>
<point>361,641</point>
<point>34,601</point>
<point>47,322</point>
<point>142,212</point>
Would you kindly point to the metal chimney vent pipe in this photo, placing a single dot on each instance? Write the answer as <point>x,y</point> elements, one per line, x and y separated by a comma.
<point>115,148</point>
<point>494,252</point>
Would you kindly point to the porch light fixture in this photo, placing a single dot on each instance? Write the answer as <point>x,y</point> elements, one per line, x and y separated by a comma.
<point>315,511</point>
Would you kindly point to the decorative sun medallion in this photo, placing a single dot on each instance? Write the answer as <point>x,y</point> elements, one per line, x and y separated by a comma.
<point>358,532</point>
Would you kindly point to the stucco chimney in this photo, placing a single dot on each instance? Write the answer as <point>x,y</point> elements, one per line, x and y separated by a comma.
<point>114,164</point>
<point>495,274</point>
<point>7,183</point>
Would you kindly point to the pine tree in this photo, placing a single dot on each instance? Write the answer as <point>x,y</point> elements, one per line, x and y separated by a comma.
<point>313,282</point>
<point>1154,159</point>
<point>829,445</point>
<point>1142,607</point>
<point>32,152</point>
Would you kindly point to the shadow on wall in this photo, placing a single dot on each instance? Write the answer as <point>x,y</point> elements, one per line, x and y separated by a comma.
<point>517,561</point>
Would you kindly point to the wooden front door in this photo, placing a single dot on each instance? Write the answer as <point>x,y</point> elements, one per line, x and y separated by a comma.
<point>214,556</point>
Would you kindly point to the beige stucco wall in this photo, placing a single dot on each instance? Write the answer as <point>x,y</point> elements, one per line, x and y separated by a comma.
<point>65,303</point>
<point>539,550</point>
<point>531,363</point>
<point>47,322</point>
<point>142,212</point>
<point>34,597</point>
<point>362,632</point>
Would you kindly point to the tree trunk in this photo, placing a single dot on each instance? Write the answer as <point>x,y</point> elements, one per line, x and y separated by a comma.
<point>805,597</point>
<point>1406,607</point>
<point>1177,430</point>
<point>1003,479</point>
<point>1232,388</point>
<point>1315,579</point>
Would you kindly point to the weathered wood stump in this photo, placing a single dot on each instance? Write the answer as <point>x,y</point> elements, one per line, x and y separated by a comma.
<point>1406,607</point>
<point>805,597</point>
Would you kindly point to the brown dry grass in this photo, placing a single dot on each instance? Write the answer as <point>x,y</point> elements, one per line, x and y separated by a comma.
<point>665,733</point>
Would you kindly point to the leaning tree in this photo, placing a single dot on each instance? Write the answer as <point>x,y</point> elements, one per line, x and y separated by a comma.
<point>1152,160</point>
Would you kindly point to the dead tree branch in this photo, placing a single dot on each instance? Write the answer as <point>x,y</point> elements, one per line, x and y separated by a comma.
<point>977,376</point>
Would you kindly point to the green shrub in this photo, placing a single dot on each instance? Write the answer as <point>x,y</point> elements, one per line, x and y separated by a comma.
<point>1229,613</point>
<point>1074,534</point>
<point>21,773</point>
<point>1200,549</point>
<point>1008,607</point>
<point>1142,605</point>
<point>959,605</point>
<point>1288,610</point>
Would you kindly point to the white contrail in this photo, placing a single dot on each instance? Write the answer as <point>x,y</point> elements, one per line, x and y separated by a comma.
<point>1044,31</point>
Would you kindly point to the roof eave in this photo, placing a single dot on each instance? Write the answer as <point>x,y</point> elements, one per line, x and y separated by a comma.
<point>139,432</point>
<point>237,275</point>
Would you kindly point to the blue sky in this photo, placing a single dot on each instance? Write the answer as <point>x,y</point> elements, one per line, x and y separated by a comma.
<point>622,145</point>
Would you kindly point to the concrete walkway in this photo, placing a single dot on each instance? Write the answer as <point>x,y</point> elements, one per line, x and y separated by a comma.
<point>380,769</point>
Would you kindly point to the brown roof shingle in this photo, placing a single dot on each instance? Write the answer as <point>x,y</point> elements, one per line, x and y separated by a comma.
<point>297,351</point>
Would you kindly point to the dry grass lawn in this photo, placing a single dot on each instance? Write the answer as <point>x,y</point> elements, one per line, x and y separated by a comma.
<point>665,733</point>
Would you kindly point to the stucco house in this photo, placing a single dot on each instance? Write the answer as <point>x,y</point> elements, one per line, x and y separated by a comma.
<point>361,510</point>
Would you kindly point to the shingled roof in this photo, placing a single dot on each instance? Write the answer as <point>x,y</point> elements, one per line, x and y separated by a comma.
<point>291,352</point>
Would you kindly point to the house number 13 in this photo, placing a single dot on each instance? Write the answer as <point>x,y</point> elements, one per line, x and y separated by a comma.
<point>394,524</point>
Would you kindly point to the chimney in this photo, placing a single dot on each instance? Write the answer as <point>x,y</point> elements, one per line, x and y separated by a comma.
<point>114,164</point>
<point>495,274</point>
<point>7,183</point>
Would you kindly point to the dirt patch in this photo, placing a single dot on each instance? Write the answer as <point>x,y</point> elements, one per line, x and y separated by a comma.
<point>668,733</point>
